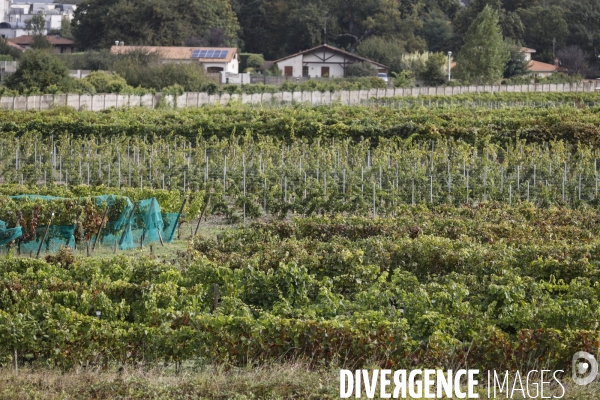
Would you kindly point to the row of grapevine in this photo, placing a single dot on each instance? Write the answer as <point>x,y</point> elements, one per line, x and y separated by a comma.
<point>491,285</point>
<point>257,176</point>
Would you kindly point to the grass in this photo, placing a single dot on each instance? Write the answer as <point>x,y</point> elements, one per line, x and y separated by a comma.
<point>210,229</point>
<point>270,382</point>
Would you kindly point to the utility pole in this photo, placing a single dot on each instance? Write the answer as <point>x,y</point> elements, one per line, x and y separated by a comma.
<point>449,66</point>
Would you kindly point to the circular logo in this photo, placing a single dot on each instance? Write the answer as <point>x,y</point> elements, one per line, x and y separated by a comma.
<point>584,363</point>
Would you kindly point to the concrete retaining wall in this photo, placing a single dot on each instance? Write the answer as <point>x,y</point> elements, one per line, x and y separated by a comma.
<point>105,101</point>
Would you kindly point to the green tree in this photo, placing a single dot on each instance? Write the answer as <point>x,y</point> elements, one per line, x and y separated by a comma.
<point>434,73</point>
<point>384,51</point>
<point>38,70</point>
<point>517,64</point>
<point>510,23</point>
<point>361,69</point>
<point>255,61</point>
<point>583,17</point>
<point>484,55</point>
<point>543,25</point>
<point>99,23</point>
<point>65,28</point>
<point>5,49</point>
<point>437,32</point>
<point>36,26</point>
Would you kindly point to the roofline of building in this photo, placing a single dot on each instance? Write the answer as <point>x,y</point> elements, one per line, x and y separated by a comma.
<point>334,49</point>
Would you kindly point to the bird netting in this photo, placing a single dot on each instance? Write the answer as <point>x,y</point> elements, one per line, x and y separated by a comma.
<point>108,220</point>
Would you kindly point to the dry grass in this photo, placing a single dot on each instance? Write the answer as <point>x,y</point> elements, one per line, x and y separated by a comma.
<point>276,381</point>
<point>289,381</point>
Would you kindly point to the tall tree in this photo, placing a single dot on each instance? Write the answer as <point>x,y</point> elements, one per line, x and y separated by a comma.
<point>385,51</point>
<point>99,23</point>
<point>510,23</point>
<point>484,55</point>
<point>545,30</point>
<point>36,26</point>
<point>437,32</point>
<point>584,26</point>
<point>517,65</point>
<point>38,70</point>
<point>434,73</point>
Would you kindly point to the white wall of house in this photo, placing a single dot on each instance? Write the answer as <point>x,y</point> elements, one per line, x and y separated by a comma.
<point>541,74</point>
<point>334,61</point>
<point>10,33</point>
<point>231,67</point>
<point>294,62</point>
<point>316,62</point>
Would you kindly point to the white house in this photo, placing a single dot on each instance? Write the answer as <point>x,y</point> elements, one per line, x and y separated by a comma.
<point>213,59</point>
<point>15,14</point>
<point>538,69</point>
<point>322,61</point>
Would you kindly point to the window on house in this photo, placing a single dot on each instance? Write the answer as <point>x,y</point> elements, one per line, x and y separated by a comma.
<point>325,72</point>
<point>305,71</point>
<point>289,71</point>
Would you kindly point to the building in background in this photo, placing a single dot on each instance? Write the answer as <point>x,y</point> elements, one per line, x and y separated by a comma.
<point>213,59</point>
<point>59,44</point>
<point>322,62</point>
<point>538,69</point>
<point>15,14</point>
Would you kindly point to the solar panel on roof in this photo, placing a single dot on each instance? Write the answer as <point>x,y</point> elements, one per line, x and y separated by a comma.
<point>210,54</point>
<point>196,54</point>
<point>203,53</point>
<point>223,54</point>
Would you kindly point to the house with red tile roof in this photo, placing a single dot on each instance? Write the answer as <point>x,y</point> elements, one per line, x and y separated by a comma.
<point>59,44</point>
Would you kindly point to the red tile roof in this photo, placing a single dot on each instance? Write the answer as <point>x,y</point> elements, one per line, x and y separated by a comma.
<point>54,40</point>
<point>538,66</point>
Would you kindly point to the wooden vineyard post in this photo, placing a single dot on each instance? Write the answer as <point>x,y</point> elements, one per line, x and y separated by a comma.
<point>160,238</point>
<point>431,188</point>
<point>224,172</point>
<point>467,186</point>
<point>115,247</point>
<point>215,296</point>
<point>178,218</point>
<point>244,166</point>
<point>45,235</point>
<point>119,168</point>
<point>374,204</point>
<point>449,178</point>
<point>207,201</point>
<point>100,228</point>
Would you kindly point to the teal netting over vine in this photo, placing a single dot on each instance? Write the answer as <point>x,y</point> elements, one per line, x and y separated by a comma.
<point>128,225</point>
<point>8,235</point>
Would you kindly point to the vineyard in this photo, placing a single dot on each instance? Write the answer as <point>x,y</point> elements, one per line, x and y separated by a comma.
<point>423,235</point>
<point>489,285</point>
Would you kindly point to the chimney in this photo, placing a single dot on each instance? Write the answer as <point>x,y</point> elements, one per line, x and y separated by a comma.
<point>116,42</point>
<point>122,43</point>
<point>556,62</point>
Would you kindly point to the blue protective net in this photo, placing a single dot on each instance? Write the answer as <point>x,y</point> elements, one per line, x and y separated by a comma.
<point>8,235</point>
<point>126,225</point>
